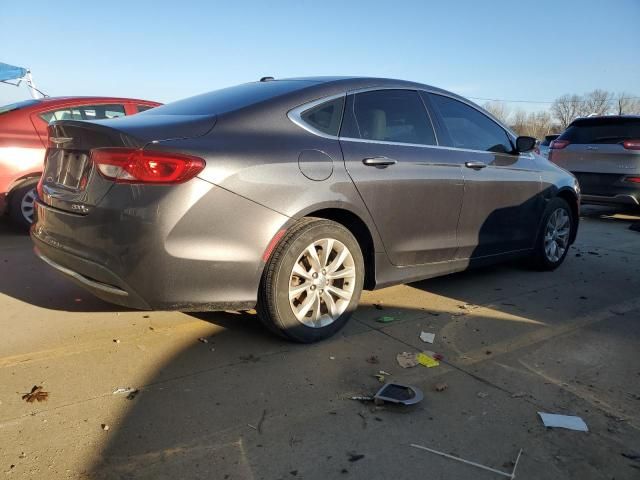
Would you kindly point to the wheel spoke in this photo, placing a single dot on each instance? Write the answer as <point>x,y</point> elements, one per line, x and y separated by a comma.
<point>308,303</point>
<point>331,304</point>
<point>312,256</point>
<point>338,261</point>
<point>301,272</point>
<point>344,273</point>
<point>339,292</point>
<point>294,292</point>
<point>327,248</point>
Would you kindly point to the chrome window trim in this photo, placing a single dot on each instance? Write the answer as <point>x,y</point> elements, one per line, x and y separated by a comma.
<point>295,116</point>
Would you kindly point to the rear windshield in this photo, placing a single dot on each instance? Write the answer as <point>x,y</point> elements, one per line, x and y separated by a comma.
<point>613,130</point>
<point>229,99</point>
<point>17,106</point>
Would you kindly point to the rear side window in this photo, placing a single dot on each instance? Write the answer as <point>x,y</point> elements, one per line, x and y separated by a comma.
<point>470,129</point>
<point>614,130</point>
<point>143,108</point>
<point>85,112</point>
<point>391,116</point>
<point>325,117</point>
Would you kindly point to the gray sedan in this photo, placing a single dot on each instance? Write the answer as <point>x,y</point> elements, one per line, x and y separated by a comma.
<point>292,196</point>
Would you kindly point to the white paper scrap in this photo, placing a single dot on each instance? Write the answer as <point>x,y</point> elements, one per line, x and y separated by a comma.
<point>427,337</point>
<point>563,421</point>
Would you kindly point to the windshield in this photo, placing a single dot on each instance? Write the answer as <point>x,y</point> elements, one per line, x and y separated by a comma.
<point>16,106</point>
<point>229,99</point>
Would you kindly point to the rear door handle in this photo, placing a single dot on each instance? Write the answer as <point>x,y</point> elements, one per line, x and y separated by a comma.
<point>475,165</point>
<point>379,162</point>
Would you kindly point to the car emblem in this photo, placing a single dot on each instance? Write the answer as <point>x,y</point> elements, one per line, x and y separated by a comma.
<point>60,140</point>
<point>79,208</point>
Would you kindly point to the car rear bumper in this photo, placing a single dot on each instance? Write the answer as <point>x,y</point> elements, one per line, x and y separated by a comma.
<point>192,247</point>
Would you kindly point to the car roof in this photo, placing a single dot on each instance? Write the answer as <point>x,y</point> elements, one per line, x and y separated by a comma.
<point>356,82</point>
<point>600,119</point>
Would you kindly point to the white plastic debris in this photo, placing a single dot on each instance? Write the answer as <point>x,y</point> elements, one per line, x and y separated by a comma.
<point>427,337</point>
<point>123,390</point>
<point>563,421</point>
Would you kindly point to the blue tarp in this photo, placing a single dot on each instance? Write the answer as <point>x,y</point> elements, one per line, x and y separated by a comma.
<point>9,72</point>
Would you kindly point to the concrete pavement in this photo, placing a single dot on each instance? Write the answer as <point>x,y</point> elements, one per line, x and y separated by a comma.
<point>247,405</point>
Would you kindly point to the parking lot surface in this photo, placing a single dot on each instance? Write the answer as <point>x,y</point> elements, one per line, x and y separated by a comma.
<point>220,398</point>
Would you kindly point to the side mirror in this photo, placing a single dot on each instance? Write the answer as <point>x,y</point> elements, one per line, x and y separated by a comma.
<point>525,144</point>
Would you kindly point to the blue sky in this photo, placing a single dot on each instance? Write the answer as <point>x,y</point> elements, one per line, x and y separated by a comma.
<point>166,50</point>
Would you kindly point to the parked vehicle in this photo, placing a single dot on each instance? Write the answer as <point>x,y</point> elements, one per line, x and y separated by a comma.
<point>544,145</point>
<point>294,195</point>
<point>23,140</point>
<point>604,154</point>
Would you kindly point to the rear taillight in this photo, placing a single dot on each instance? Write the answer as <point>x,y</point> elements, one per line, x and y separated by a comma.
<point>558,144</point>
<point>632,179</point>
<point>128,165</point>
<point>631,144</point>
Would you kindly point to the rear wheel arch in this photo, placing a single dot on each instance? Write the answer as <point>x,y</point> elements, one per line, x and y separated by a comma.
<point>21,181</point>
<point>360,231</point>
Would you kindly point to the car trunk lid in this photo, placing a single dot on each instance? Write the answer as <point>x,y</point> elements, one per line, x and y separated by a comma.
<point>71,182</point>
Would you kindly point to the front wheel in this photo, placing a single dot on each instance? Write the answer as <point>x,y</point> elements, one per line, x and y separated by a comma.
<point>553,239</point>
<point>22,206</point>
<point>312,282</point>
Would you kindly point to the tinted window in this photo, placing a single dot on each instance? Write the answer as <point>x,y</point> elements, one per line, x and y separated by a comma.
<point>325,117</point>
<point>85,112</point>
<point>143,108</point>
<point>391,116</point>
<point>612,130</point>
<point>468,128</point>
<point>17,106</point>
<point>229,99</point>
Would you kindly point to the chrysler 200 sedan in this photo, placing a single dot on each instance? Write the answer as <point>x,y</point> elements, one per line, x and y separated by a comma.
<point>291,196</point>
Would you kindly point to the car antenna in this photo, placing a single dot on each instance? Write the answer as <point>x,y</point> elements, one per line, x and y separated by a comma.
<point>266,79</point>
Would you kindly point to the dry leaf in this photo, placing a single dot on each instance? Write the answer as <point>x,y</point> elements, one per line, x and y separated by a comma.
<point>36,393</point>
<point>441,387</point>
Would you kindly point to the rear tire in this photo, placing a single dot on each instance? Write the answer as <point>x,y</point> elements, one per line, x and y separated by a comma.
<point>312,282</point>
<point>22,203</point>
<point>554,237</point>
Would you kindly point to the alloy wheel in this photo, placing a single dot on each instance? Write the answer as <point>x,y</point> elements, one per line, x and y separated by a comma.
<point>322,282</point>
<point>556,235</point>
<point>27,205</point>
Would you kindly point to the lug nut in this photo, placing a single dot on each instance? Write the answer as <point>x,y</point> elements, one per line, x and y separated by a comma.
<point>314,275</point>
<point>313,287</point>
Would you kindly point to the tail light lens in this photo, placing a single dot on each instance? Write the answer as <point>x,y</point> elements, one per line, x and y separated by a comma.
<point>559,144</point>
<point>631,144</point>
<point>128,165</point>
<point>632,179</point>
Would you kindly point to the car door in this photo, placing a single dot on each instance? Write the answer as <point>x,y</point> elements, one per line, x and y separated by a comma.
<point>412,191</point>
<point>502,202</point>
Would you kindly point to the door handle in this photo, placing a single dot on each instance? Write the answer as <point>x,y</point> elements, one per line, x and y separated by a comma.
<point>379,162</point>
<point>475,165</point>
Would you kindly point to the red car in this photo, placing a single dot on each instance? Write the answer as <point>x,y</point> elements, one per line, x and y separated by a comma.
<point>23,141</point>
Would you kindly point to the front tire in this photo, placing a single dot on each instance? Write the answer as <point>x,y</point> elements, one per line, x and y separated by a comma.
<point>312,282</point>
<point>554,237</point>
<point>22,204</point>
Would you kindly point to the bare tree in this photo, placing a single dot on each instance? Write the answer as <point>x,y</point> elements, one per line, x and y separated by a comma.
<point>627,104</point>
<point>566,109</point>
<point>533,124</point>
<point>498,110</point>
<point>598,102</point>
